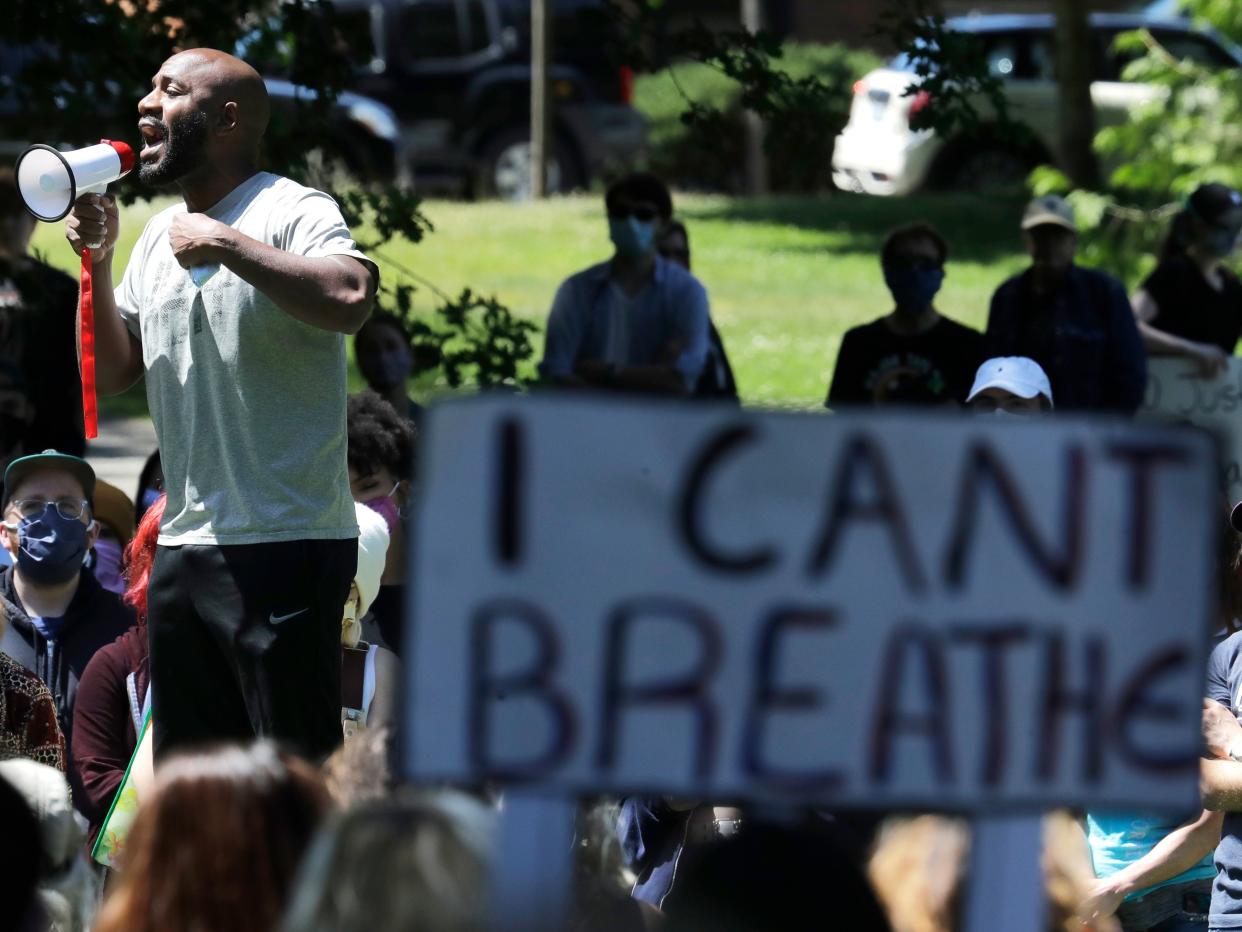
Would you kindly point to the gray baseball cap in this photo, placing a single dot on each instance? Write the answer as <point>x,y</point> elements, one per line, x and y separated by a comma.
<point>1049,210</point>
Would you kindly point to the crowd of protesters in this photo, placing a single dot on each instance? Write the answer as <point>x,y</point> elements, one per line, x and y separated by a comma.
<point>226,647</point>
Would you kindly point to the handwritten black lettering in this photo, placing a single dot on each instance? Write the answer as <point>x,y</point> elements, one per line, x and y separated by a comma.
<point>689,689</point>
<point>993,641</point>
<point>691,506</point>
<point>863,457</point>
<point>487,688</point>
<point>1059,700</point>
<point>767,697</point>
<point>510,479</point>
<point>1136,703</point>
<point>984,471</point>
<point>911,642</point>
<point>1141,461</point>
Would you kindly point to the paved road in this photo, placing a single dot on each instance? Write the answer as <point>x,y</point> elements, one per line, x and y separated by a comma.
<point>120,450</point>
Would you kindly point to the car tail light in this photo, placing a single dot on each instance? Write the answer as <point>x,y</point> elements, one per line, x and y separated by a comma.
<point>919,104</point>
<point>860,87</point>
<point>625,76</point>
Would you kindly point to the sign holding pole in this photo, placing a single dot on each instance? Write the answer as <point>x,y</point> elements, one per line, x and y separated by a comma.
<point>891,611</point>
<point>540,54</point>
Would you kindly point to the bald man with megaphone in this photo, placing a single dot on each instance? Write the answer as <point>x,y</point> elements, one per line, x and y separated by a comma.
<point>235,304</point>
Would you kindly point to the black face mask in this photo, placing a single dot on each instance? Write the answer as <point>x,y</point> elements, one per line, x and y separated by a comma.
<point>51,548</point>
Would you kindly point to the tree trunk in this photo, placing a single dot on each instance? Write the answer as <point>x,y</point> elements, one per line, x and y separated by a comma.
<point>1075,111</point>
<point>540,120</point>
<point>756,155</point>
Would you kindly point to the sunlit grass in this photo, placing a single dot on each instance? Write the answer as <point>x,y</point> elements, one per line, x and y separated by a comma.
<point>787,276</point>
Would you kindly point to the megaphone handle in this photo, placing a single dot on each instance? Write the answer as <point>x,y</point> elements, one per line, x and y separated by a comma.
<point>86,338</point>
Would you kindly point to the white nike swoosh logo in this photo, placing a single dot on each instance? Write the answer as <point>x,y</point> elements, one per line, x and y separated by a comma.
<point>277,619</point>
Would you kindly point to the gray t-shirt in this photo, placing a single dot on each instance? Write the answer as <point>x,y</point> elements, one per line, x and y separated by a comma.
<point>1224,684</point>
<point>248,403</point>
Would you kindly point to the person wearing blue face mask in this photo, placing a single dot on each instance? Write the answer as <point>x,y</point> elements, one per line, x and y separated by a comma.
<point>58,614</point>
<point>1191,305</point>
<point>913,355</point>
<point>385,356</point>
<point>638,322</point>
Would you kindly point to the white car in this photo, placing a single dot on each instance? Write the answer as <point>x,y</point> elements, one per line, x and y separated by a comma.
<point>879,153</point>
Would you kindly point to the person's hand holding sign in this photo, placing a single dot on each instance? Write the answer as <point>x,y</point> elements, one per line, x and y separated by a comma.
<point>1221,731</point>
<point>1211,360</point>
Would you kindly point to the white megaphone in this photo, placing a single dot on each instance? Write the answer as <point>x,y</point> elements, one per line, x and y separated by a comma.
<point>50,181</point>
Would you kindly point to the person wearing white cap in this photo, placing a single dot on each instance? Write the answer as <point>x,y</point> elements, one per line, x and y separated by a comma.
<point>1010,386</point>
<point>1075,322</point>
<point>369,671</point>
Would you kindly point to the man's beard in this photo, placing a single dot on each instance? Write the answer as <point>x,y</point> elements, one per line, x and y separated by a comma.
<point>184,144</point>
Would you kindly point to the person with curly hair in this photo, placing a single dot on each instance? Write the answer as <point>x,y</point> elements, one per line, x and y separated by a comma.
<point>381,469</point>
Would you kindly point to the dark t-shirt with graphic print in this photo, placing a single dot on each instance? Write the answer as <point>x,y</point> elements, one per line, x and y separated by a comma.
<point>876,366</point>
<point>40,390</point>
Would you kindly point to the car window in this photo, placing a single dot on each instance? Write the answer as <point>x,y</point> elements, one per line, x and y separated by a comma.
<point>353,32</point>
<point>1202,50</point>
<point>478,31</point>
<point>1198,49</point>
<point>1041,57</point>
<point>430,29</point>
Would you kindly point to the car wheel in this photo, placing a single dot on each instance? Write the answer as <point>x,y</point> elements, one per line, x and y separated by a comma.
<point>505,167</point>
<point>990,168</point>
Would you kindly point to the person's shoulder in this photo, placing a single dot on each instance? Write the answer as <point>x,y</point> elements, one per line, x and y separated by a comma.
<point>1172,267</point>
<point>103,610</point>
<point>1230,278</point>
<point>1010,286</point>
<point>957,330</point>
<point>1228,648</point>
<point>681,281</point>
<point>14,678</point>
<point>270,187</point>
<point>46,276</point>
<point>592,275</point>
<point>872,330</point>
<point>1098,278</point>
<point>110,661</point>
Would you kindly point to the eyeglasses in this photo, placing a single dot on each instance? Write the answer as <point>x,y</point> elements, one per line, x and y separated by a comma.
<point>71,509</point>
<point>641,214</point>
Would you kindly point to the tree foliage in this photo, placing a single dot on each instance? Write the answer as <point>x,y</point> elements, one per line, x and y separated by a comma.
<point>951,68</point>
<point>84,64</point>
<point>802,110</point>
<point>1188,131</point>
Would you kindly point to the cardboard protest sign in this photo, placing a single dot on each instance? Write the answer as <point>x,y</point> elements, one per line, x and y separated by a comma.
<point>1177,393</point>
<point>905,610</point>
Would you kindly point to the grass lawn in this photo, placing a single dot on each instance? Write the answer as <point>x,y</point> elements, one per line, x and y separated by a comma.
<point>787,276</point>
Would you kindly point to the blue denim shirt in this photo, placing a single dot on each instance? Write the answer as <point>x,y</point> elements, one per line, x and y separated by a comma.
<point>1085,337</point>
<point>671,310</point>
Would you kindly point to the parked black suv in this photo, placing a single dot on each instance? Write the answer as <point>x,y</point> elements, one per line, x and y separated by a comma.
<point>457,74</point>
